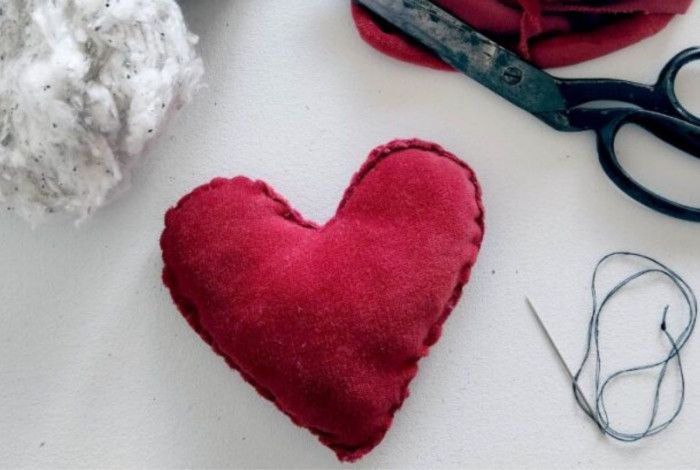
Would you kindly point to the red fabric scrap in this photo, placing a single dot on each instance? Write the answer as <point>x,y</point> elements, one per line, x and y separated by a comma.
<point>549,33</point>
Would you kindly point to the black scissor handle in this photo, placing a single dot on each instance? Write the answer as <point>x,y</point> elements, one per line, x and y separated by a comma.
<point>660,97</point>
<point>679,133</point>
<point>666,85</point>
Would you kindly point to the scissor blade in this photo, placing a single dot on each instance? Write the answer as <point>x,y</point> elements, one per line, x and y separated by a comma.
<point>473,54</point>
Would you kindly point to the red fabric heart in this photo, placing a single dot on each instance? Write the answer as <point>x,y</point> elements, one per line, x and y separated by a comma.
<point>329,321</point>
<point>550,33</point>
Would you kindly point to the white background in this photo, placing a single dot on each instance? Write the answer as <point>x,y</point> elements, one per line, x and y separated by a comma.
<point>97,368</point>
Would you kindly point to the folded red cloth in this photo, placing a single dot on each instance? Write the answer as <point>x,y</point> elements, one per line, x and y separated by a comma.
<point>549,33</point>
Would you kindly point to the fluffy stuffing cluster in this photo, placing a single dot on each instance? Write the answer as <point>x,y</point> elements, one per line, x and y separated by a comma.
<point>84,86</point>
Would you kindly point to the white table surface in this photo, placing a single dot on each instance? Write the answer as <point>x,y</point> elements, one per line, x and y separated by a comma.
<point>97,368</point>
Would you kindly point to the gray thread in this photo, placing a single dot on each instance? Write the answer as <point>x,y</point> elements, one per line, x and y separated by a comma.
<point>599,414</point>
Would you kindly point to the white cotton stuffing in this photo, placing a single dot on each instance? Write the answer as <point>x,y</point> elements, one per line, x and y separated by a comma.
<point>84,86</point>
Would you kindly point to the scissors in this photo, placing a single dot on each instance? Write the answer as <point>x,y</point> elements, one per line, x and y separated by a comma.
<point>560,102</point>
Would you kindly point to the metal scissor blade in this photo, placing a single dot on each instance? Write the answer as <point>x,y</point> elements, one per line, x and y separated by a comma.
<point>474,54</point>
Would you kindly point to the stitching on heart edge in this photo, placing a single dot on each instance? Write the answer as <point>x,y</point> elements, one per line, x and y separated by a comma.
<point>187,306</point>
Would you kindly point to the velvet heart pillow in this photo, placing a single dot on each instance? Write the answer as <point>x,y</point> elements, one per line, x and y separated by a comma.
<point>329,321</point>
<point>550,33</point>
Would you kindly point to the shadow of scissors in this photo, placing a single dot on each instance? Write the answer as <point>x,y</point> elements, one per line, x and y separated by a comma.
<point>560,102</point>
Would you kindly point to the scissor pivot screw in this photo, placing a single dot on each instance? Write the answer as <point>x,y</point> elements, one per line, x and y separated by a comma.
<point>512,75</point>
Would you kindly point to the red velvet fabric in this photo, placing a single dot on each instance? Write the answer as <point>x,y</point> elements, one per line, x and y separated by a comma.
<point>549,33</point>
<point>329,321</point>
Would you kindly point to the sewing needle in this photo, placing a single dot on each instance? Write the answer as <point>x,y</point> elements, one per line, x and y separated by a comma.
<point>558,352</point>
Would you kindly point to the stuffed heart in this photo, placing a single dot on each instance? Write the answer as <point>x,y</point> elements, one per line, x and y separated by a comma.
<point>329,322</point>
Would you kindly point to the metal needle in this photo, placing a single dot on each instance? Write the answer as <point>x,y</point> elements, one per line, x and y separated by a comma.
<point>559,355</point>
